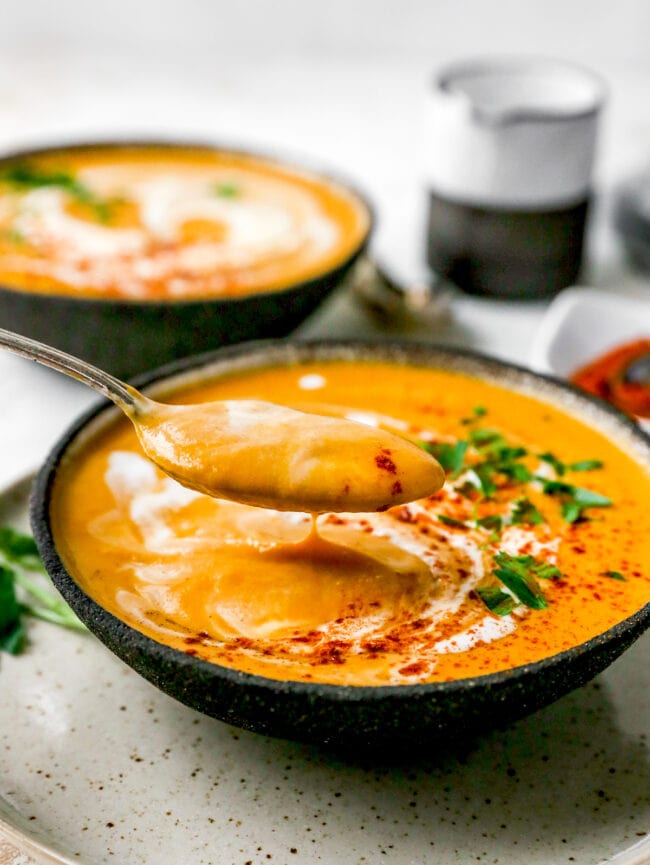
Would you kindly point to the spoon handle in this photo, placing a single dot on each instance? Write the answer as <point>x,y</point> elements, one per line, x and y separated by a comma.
<point>126,397</point>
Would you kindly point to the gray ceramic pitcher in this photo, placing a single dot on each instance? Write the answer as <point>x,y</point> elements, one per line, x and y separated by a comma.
<point>509,152</point>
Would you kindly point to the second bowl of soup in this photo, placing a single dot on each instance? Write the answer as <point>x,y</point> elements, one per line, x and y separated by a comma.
<point>130,255</point>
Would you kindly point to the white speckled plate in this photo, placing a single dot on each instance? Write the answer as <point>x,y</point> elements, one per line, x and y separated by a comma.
<point>97,766</point>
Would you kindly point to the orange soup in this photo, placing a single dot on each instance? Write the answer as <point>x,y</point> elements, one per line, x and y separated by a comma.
<point>539,540</point>
<point>175,223</point>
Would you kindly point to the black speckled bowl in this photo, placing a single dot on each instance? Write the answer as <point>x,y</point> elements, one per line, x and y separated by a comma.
<point>402,716</point>
<point>126,337</point>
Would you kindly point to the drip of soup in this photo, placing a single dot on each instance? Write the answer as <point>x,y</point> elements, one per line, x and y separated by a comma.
<point>538,541</point>
<point>145,223</point>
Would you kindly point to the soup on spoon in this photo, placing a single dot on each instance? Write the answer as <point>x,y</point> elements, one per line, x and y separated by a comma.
<point>259,453</point>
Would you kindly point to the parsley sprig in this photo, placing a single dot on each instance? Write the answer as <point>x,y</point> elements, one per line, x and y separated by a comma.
<point>561,468</point>
<point>22,593</point>
<point>226,190</point>
<point>484,462</point>
<point>487,462</point>
<point>523,512</point>
<point>450,456</point>
<point>574,500</point>
<point>614,575</point>
<point>520,575</point>
<point>25,176</point>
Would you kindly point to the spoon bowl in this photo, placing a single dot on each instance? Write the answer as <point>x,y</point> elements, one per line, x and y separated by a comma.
<point>259,453</point>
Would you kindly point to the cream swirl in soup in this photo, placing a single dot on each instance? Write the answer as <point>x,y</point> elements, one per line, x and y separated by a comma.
<point>141,223</point>
<point>538,541</point>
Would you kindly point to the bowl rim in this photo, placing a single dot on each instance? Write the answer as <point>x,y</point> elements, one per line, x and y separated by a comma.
<point>567,305</point>
<point>388,351</point>
<point>299,165</point>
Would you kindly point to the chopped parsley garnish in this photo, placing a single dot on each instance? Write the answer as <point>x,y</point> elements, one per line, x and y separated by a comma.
<point>18,557</point>
<point>481,475</point>
<point>486,439</point>
<point>451,457</point>
<point>519,575</point>
<point>524,512</point>
<point>226,190</point>
<point>504,461</point>
<point>487,465</point>
<point>585,465</point>
<point>498,602</point>
<point>561,468</point>
<point>492,522</point>
<point>613,575</point>
<point>478,411</point>
<point>450,521</point>
<point>546,571</point>
<point>575,500</point>
<point>24,176</point>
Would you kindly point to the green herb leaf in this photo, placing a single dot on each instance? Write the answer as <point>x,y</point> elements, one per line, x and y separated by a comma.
<point>226,190</point>
<point>451,457</point>
<point>515,471</point>
<point>450,521</point>
<point>484,473</point>
<point>13,639</point>
<point>493,522</point>
<point>24,176</point>
<point>15,544</point>
<point>483,439</point>
<point>614,575</point>
<point>586,465</point>
<point>518,575</point>
<point>498,602</point>
<point>478,411</point>
<point>20,555</point>
<point>574,499</point>
<point>12,634</point>
<point>500,458</point>
<point>546,571</point>
<point>50,607</point>
<point>561,467</point>
<point>590,499</point>
<point>468,489</point>
<point>553,461</point>
<point>525,512</point>
<point>571,512</point>
<point>9,606</point>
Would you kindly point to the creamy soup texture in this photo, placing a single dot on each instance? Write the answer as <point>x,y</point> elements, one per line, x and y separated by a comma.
<point>144,223</point>
<point>538,541</point>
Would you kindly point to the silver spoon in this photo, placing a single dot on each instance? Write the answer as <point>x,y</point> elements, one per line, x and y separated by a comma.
<point>257,452</point>
<point>392,301</point>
